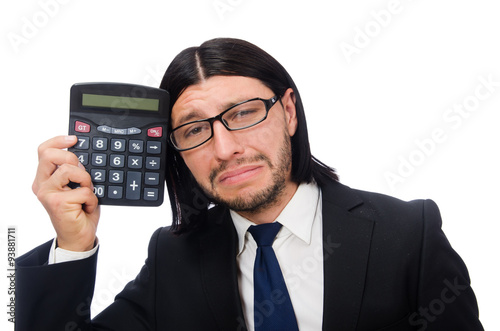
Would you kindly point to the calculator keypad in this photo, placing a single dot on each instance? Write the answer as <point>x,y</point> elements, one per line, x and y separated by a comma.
<point>124,163</point>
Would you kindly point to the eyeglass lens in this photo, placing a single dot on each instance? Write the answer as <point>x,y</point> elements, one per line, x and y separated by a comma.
<point>241,116</point>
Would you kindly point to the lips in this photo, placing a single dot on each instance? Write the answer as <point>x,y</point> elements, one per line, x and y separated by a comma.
<point>238,175</point>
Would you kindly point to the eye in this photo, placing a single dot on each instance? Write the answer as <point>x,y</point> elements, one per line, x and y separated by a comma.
<point>195,130</point>
<point>241,115</point>
<point>245,113</point>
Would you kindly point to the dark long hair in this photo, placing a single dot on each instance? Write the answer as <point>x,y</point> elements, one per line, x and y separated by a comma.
<point>229,57</point>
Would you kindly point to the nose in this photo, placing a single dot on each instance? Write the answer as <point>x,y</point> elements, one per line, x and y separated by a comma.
<point>226,145</point>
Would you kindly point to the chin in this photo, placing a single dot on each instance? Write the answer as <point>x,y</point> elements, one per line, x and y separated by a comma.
<point>252,199</point>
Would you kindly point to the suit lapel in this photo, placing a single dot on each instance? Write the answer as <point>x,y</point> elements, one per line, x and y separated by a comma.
<point>346,246</point>
<point>219,273</point>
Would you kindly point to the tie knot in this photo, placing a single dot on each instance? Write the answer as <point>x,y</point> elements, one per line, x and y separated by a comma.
<point>264,234</point>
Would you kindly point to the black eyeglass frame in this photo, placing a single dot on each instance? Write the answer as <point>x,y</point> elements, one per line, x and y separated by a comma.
<point>268,103</point>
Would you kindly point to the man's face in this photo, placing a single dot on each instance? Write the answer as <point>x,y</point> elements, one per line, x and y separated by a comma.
<point>246,170</point>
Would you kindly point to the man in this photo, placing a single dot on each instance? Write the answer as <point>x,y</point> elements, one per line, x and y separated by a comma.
<point>238,159</point>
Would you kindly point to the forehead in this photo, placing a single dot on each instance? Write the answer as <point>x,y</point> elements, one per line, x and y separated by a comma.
<point>215,94</point>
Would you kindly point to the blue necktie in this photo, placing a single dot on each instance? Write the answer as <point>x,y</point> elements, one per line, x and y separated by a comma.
<point>273,310</point>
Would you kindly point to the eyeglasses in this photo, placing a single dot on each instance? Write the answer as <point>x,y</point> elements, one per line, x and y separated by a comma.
<point>241,116</point>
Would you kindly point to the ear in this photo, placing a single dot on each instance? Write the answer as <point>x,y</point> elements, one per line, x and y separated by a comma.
<point>288,101</point>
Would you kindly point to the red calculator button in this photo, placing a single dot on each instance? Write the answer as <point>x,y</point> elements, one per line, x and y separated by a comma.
<point>82,127</point>
<point>155,132</point>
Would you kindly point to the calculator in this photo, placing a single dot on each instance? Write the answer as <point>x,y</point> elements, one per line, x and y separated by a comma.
<point>121,130</point>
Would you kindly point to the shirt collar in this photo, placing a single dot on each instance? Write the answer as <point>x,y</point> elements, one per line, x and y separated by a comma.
<point>297,216</point>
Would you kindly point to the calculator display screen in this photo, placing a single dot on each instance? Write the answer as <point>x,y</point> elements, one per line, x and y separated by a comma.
<point>113,101</point>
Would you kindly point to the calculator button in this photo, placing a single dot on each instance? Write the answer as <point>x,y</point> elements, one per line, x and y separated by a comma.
<point>153,147</point>
<point>104,128</point>
<point>100,144</point>
<point>133,131</point>
<point>98,175</point>
<point>83,143</point>
<point>99,191</point>
<point>83,158</point>
<point>118,145</point>
<point>82,127</point>
<point>135,162</point>
<point>117,161</point>
<point>98,159</point>
<point>153,163</point>
<point>151,194</point>
<point>156,132</point>
<point>116,176</point>
<point>133,191</point>
<point>136,146</point>
<point>151,178</point>
<point>115,192</point>
<point>119,131</point>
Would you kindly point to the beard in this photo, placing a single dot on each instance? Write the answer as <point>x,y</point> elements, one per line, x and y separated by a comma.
<point>267,196</point>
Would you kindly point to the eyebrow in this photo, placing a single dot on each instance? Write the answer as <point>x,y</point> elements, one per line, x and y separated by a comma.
<point>196,115</point>
<point>192,115</point>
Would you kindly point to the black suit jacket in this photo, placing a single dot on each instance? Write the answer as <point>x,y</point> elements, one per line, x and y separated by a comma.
<point>387,266</point>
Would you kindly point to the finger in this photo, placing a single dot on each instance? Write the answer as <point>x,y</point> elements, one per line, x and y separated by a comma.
<point>69,173</point>
<point>50,161</point>
<point>51,158</point>
<point>75,215</point>
<point>58,142</point>
<point>83,197</point>
<point>71,200</point>
<point>91,204</point>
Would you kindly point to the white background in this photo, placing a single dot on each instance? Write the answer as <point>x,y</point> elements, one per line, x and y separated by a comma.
<point>368,111</point>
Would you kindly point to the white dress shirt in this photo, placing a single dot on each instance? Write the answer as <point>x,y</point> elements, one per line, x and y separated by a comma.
<point>299,249</point>
<point>60,255</point>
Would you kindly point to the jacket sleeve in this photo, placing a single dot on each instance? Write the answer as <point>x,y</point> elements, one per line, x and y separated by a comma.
<point>53,297</point>
<point>445,298</point>
<point>58,296</point>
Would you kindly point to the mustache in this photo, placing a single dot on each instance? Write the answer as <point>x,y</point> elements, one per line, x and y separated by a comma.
<point>225,164</point>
